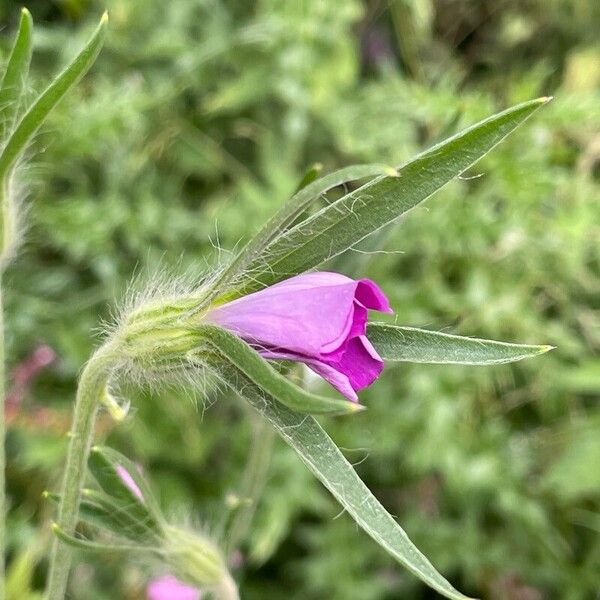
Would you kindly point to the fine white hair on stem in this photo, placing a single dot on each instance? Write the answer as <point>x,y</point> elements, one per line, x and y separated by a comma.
<point>184,374</point>
<point>23,177</point>
<point>186,378</point>
<point>14,211</point>
<point>153,287</point>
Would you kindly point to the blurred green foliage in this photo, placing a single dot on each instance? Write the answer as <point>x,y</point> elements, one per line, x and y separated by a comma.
<point>198,120</point>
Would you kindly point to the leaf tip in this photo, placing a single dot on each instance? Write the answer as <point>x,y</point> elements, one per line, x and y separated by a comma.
<point>104,18</point>
<point>25,14</point>
<point>546,348</point>
<point>355,407</point>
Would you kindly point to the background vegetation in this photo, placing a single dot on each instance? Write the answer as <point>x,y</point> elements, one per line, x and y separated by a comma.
<point>198,120</point>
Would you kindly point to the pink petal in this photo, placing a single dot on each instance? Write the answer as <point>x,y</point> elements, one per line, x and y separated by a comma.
<point>370,295</point>
<point>310,314</point>
<point>338,380</point>
<point>360,363</point>
<point>319,319</point>
<point>129,481</point>
<point>358,367</point>
<point>170,588</point>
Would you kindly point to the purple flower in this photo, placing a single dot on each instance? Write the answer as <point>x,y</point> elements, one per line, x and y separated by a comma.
<point>319,319</point>
<point>170,588</point>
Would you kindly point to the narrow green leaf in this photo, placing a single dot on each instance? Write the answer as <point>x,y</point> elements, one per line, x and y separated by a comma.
<point>248,361</point>
<point>14,80</point>
<point>291,210</point>
<point>99,510</point>
<point>307,194</point>
<point>339,226</point>
<point>82,544</point>
<point>328,464</point>
<point>39,110</point>
<point>408,344</point>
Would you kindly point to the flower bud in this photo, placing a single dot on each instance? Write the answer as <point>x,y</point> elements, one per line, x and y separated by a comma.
<point>319,319</point>
<point>157,333</point>
<point>195,559</point>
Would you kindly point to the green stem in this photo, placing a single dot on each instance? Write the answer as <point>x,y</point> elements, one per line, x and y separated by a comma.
<point>253,481</point>
<point>2,451</point>
<point>89,393</point>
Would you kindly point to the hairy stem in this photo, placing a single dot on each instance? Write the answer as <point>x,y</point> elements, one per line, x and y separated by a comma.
<point>2,451</point>
<point>253,481</point>
<point>89,392</point>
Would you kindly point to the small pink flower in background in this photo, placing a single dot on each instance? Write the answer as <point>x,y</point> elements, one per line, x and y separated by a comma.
<point>170,588</point>
<point>129,481</point>
<point>319,319</point>
<point>25,372</point>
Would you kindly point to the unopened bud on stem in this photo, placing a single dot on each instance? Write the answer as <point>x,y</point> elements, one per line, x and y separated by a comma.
<point>158,332</point>
<point>196,560</point>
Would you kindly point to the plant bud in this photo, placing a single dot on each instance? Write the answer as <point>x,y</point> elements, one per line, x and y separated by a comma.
<point>194,558</point>
<point>158,333</point>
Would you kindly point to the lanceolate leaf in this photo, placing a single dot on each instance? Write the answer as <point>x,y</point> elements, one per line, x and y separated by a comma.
<point>83,544</point>
<point>14,80</point>
<point>328,464</point>
<point>228,347</point>
<point>345,222</point>
<point>408,344</point>
<point>302,199</point>
<point>291,210</point>
<point>39,110</point>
